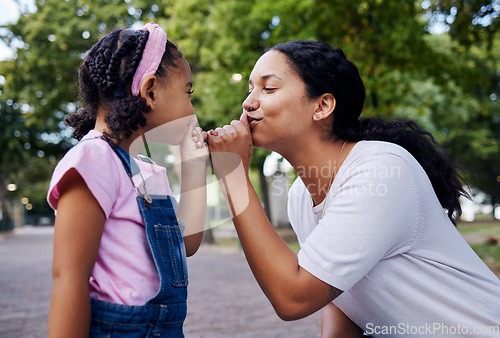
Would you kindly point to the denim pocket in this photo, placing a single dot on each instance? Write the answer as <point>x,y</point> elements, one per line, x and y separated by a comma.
<point>173,252</point>
<point>119,329</point>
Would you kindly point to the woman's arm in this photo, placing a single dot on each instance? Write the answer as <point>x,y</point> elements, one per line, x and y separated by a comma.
<point>293,291</point>
<point>334,323</point>
<point>77,235</point>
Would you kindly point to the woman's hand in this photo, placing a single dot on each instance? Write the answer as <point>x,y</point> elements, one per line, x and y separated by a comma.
<point>234,144</point>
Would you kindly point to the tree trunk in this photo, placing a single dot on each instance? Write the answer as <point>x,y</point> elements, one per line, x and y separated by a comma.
<point>494,205</point>
<point>264,191</point>
<point>208,237</point>
<point>6,221</point>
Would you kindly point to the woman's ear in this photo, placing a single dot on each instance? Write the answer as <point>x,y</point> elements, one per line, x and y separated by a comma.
<point>148,90</point>
<point>326,106</point>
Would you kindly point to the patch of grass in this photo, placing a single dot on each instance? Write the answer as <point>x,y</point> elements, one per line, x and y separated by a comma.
<point>231,242</point>
<point>488,252</point>
<point>480,227</point>
<point>294,246</point>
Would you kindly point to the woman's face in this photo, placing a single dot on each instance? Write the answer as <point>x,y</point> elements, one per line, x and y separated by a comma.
<point>168,120</point>
<point>279,111</point>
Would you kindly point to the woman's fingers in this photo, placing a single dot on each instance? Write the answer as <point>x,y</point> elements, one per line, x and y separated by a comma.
<point>244,120</point>
<point>233,138</point>
<point>229,130</point>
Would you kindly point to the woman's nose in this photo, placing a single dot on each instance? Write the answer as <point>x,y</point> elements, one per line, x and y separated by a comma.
<point>246,103</point>
<point>249,104</point>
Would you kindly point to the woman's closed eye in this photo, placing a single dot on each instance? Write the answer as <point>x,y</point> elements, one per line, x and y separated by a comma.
<point>266,89</point>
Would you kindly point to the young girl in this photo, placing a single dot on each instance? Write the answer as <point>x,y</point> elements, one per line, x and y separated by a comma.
<point>119,266</point>
<point>373,207</point>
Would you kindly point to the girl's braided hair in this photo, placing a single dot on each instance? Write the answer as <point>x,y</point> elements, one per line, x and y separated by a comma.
<point>105,79</point>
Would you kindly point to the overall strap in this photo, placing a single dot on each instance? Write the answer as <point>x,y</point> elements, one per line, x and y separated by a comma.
<point>128,162</point>
<point>132,169</point>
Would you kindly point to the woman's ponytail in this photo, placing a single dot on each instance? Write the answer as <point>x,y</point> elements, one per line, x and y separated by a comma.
<point>447,183</point>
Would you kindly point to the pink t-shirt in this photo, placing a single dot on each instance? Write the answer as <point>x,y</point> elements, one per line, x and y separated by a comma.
<point>124,271</point>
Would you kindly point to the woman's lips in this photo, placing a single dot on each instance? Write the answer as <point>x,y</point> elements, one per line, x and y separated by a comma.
<point>253,121</point>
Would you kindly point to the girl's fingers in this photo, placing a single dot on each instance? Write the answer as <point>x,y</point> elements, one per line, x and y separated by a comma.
<point>204,136</point>
<point>197,131</point>
<point>193,121</point>
<point>199,137</point>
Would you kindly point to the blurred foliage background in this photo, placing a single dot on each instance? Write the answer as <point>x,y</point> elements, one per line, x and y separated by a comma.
<point>437,62</point>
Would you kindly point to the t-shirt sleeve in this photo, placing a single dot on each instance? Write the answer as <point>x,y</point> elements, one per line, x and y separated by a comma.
<point>95,161</point>
<point>296,195</point>
<point>370,216</point>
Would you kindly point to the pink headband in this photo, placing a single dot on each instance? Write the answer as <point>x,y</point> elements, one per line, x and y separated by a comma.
<point>151,56</point>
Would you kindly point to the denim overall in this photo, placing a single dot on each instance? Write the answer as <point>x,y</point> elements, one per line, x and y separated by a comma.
<point>164,314</point>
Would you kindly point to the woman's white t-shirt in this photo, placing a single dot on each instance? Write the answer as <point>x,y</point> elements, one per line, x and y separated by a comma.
<point>385,240</point>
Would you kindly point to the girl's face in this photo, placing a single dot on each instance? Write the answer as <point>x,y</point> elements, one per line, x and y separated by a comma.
<point>172,110</point>
<point>279,111</point>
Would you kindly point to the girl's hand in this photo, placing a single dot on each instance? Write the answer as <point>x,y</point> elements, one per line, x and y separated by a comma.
<point>194,146</point>
<point>235,140</point>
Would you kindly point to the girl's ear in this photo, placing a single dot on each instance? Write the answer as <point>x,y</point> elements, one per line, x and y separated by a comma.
<point>148,90</point>
<point>326,106</point>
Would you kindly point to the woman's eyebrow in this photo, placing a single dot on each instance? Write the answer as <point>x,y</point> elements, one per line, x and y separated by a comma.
<point>266,77</point>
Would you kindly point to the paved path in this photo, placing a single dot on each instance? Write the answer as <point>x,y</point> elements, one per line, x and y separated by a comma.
<point>25,282</point>
<point>224,299</point>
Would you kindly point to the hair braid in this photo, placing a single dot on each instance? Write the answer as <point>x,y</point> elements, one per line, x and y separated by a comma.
<point>114,68</point>
<point>426,150</point>
<point>127,112</point>
<point>105,79</point>
<point>129,71</point>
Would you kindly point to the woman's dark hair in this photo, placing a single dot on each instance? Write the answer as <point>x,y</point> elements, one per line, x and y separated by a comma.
<point>105,79</point>
<point>325,69</point>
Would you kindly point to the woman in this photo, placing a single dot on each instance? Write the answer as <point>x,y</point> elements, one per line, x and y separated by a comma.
<point>372,208</point>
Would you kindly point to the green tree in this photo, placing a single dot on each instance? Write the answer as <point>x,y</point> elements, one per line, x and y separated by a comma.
<point>448,82</point>
<point>438,80</point>
<point>474,84</point>
<point>468,21</point>
<point>39,86</point>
